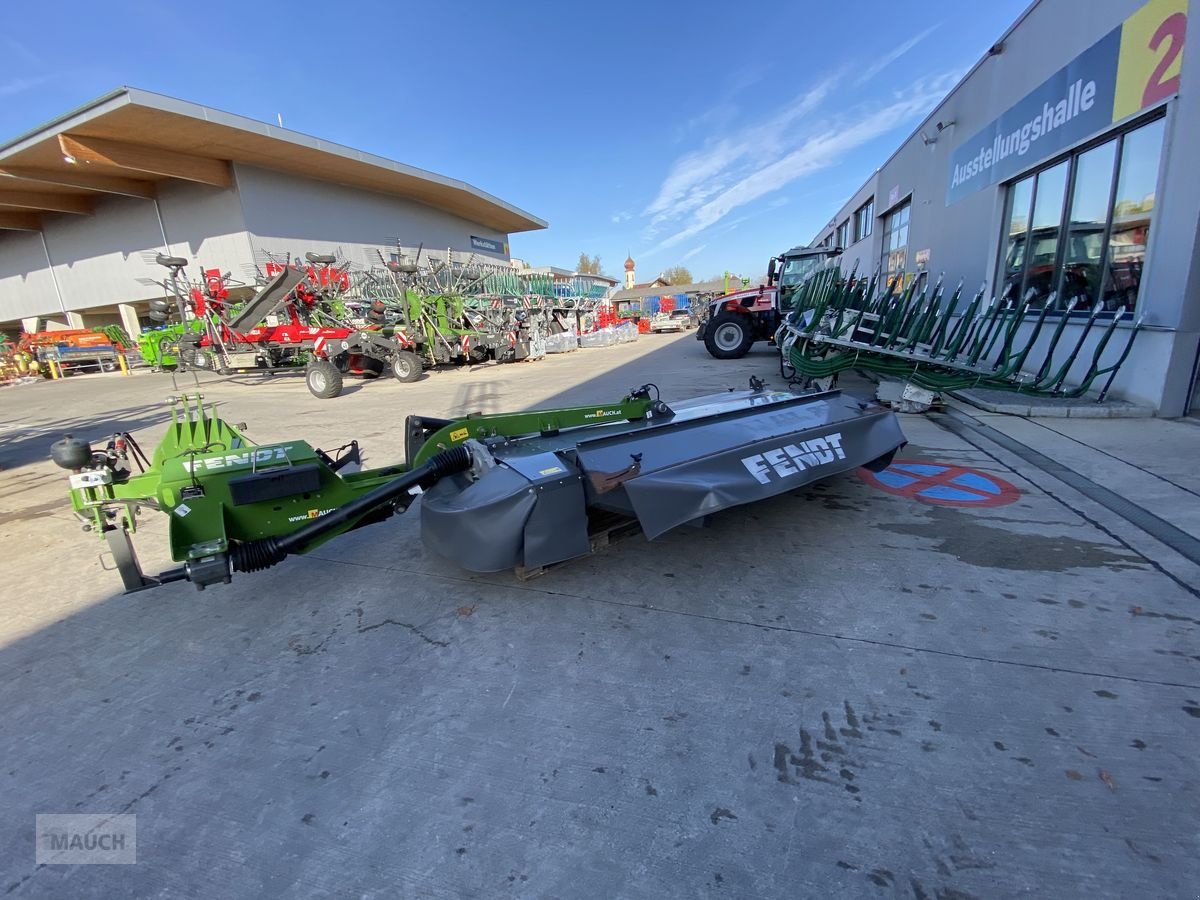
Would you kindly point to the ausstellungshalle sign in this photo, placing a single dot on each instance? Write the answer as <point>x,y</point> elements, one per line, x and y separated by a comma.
<point>1132,67</point>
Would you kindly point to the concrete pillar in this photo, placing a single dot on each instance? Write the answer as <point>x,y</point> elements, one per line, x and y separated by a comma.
<point>75,320</point>
<point>129,319</point>
<point>30,325</point>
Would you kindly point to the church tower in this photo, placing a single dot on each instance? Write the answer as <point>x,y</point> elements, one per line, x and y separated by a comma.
<point>629,277</point>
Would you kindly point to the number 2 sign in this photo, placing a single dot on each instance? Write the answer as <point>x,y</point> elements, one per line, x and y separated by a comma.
<point>1151,56</point>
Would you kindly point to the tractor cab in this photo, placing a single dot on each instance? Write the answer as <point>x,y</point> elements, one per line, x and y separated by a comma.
<point>790,269</point>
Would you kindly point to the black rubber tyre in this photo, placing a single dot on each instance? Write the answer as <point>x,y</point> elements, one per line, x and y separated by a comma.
<point>323,379</point>
<point>729,335</point>
<point>406,366</point>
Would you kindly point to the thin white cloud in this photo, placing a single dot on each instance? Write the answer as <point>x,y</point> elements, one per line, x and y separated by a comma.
<point>619,217</point>
<point>20,85</point>
<point>888,58</point>
<point>697,177</point>
<point>705,186</point>
<point>694,251</point>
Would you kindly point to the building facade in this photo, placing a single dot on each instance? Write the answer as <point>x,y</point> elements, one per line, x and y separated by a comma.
<point>1058,169</point>
<point>88,200</point>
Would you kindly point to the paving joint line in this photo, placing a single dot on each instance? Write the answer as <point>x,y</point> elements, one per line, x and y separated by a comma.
<point>785,629</point>
<point>1113,456</point>
<point>1159,529</point>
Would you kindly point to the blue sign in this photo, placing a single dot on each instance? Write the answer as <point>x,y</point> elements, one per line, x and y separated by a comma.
<point>478,243</point>
<point>1075,102</point>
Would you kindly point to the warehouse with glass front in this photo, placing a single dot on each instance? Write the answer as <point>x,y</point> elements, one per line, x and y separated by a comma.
<point>1060,170</point>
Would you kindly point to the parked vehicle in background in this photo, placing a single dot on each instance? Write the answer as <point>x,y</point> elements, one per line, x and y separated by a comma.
<point>737,320</point>
<point>664,321</point>
<point>683,317</point>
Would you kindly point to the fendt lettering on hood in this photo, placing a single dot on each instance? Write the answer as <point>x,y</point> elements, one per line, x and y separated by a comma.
<point>792,459</point>
<point>238,460</point>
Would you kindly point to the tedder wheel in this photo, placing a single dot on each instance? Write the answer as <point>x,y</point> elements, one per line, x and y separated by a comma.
<point>406,366</point>
<point>323,379</point>
<point>728,335</point>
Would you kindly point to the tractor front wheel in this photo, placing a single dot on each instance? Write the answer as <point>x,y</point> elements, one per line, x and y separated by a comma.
<point>729,335</point>
<point>406,366</point>
<point>323,379</point>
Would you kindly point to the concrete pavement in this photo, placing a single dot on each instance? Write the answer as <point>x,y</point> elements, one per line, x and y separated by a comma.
<point>836,692</point>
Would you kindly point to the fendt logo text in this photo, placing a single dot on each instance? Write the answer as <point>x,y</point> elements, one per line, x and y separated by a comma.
<point>237,460</point>
<point>792,459</point>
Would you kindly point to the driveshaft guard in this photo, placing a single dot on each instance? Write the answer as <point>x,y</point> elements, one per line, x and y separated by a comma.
<point>707,465</point>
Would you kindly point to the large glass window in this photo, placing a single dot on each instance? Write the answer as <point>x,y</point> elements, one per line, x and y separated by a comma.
<point>1133,205</point>
<point>1041,267</point>
<point>864,220</point>
<point>1085,226</point>
<point>895,240</point>
<point>1020,196</point>
<point>1078,229</point>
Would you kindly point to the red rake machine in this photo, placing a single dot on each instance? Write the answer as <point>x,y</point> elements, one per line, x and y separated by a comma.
<point>290,325</point>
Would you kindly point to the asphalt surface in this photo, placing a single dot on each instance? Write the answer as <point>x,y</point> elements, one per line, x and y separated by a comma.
<point>840,691</point>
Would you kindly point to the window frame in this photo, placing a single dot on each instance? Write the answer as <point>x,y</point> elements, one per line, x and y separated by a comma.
<point>842,234</point>
<point>864,214</point>
<point>885,252</point>
<point>1071,157</point>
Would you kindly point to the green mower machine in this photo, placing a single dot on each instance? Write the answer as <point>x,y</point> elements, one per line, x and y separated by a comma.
<point>501,491</point>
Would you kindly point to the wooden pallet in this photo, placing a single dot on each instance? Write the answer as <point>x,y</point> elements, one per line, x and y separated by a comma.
<point>604,528</point>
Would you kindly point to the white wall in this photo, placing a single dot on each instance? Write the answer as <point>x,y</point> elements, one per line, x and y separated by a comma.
<point>99,259</point>
<point>25,285</point>
<point>286,213</point>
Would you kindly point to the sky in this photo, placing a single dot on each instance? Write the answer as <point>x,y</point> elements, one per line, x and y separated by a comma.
<point>712,135</point>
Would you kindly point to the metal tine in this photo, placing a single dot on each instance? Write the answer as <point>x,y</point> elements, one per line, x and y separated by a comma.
<point>880,313</point>
<point>912,312</point>
<point>992,316</point>
<point>958,336</point>
<point>935,320</point>
<point>939,334</point>
<point>901,312</point>
<point>1137,326</point>
<point>1037,330</point>
<point>1061,375</point>
<point>1054,339</point>
<point>1011,307</point>
<point>1010,332</point>
<point>968,338</point>
<point>1093,370</point>
<point>931,304</point>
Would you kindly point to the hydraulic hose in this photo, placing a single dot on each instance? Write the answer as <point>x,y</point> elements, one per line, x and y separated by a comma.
<point>263,553</point>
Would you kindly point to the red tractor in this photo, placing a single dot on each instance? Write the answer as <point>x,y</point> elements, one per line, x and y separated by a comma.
<point>736,321</point>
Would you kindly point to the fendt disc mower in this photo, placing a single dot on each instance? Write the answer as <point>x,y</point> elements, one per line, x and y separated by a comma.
<point>511,490</point>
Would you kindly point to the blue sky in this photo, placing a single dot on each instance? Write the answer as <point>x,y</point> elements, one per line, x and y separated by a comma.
<point>708,134</point>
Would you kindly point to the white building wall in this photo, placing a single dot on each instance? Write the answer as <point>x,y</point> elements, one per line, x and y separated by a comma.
<point>290,214</point>
<point>205,225</point>
<point>26,288</point>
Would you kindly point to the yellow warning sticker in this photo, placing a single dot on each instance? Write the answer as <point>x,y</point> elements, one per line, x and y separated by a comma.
<point>553,470</point>
<point>459,434</point>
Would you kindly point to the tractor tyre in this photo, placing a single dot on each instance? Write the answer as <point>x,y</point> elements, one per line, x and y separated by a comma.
<point>323,379</point>
<point>406,366</point>
<point>729,335</point>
